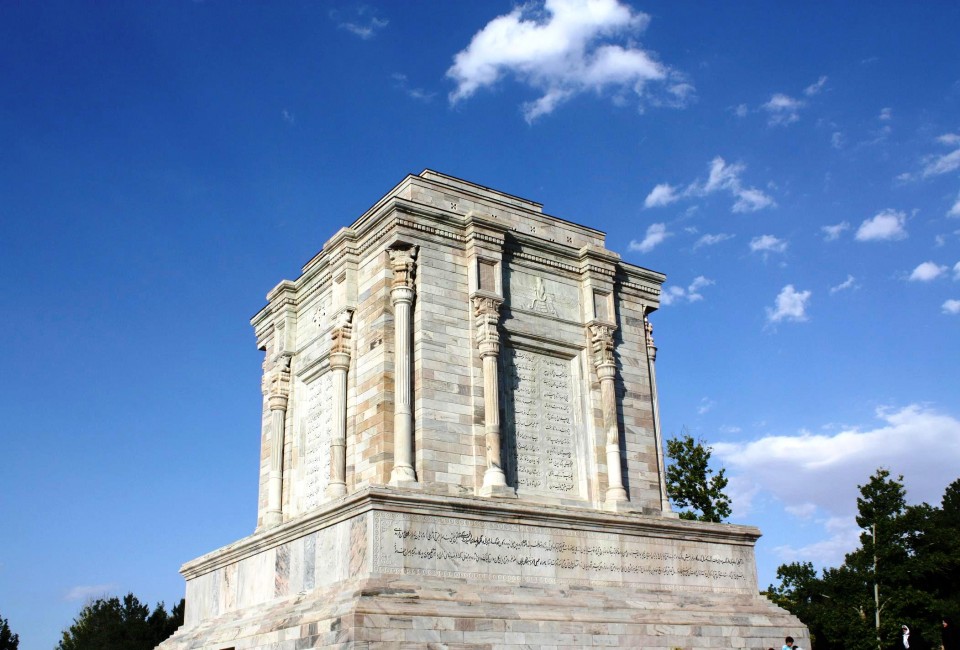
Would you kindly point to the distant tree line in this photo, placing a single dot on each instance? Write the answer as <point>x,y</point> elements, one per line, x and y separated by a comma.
<point>906,571</point>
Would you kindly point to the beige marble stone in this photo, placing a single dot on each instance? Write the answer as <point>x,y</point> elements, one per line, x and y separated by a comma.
<point>461,449</point>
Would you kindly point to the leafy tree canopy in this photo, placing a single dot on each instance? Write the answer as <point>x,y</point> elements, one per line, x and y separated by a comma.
<point>8,640</point>
<point>114,624</point>
<point>911,554</point>
<point>691,483</point>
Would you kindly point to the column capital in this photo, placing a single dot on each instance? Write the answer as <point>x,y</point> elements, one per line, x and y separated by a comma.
<point>486,310</point>
<point>403,262</point>
<point>276,383</point>
<point>601,339</point>
<point>648,330</point>
<point>340,337</point>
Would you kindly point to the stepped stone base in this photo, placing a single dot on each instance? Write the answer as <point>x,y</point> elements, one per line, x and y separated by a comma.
<point>388,568</point>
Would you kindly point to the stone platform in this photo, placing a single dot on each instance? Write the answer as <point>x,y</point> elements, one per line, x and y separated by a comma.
<point>394,568</point>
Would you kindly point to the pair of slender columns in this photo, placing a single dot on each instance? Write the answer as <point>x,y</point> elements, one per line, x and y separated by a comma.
<point>278,396</point>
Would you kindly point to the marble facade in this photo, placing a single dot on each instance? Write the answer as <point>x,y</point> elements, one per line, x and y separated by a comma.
<point>461,449</point>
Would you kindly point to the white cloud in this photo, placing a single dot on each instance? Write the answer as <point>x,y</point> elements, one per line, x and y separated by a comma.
<point>662,194</point>
<point>825,469</point>
<point>951,306</point>
<point>767,244</point>
<point>836,140</point>
<point>740,110</point>
<point>722,178</point>
<point>832,233</point>
<point>927,271</point>
<point>886,225</point>
<point>656,233</point>
<point>886,114</point>
<point>956,271</point>
<point>564,48</point>
<point>815,88</point>
<point>288,117</point>
<point>955,210</point>
<point>803,510</point>
<point>791,305</point>
<point>782,109</point>
<point>843,286</point>
<point>843,537</point>
<point>710,240</point>
<point>675,294</point>
<point>84,592</point>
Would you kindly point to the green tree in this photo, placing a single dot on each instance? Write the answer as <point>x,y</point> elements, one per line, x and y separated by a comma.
<point>912,580</point>
<point>8,640</point>
<point>112,624</point>
<point>691,483</point>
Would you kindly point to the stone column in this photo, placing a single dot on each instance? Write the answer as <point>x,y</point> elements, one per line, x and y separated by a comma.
<point>602,339</point>
<point>651,366</point>
<point>401,296</point>
<point>277,389</point>
<point>487,313</point>
<point>339,365</point>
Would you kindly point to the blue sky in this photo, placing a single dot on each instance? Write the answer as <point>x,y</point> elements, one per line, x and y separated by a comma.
<point>794,169</point>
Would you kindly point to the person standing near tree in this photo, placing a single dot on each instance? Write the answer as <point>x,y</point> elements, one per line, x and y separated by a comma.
<point>908,640</point>
<point>949,638</point>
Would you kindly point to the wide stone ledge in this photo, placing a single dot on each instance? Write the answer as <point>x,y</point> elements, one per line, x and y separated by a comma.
<point>422,502</point>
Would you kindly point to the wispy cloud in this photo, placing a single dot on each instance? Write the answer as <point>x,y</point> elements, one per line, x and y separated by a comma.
<point>832,233</point>
<point>722,177</point>
<point>790,305</point>
<point>691,293</point>
<point>885,226</point>
<point>767,244</point>
<point>955,210</point>
<point>886,114</point>
<point>361,21</point>
<point>656,234</point>
<point>566,47</point>
<point>951,306</point>
<point>83,592</point>
<point>711,240</point>
<point>662,194</point>
<point>288,117</point>
<point>849,283</point>
<point>705,406</point>
<point>401,83</point>
<point>816,87</point>
<point>782,109</point>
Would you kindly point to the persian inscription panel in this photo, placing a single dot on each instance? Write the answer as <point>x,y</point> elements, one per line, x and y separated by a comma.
<point>463,548</point>
<point>543,295</point>
<point>542,425</point>
<point>317,431</point>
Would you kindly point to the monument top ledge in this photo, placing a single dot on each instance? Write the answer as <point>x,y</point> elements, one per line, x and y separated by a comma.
<point>440,198</point>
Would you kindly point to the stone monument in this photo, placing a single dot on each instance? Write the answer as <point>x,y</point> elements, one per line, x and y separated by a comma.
<point>461,449</point>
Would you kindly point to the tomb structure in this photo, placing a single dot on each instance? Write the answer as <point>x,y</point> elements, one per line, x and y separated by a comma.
<point>461,449</point>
